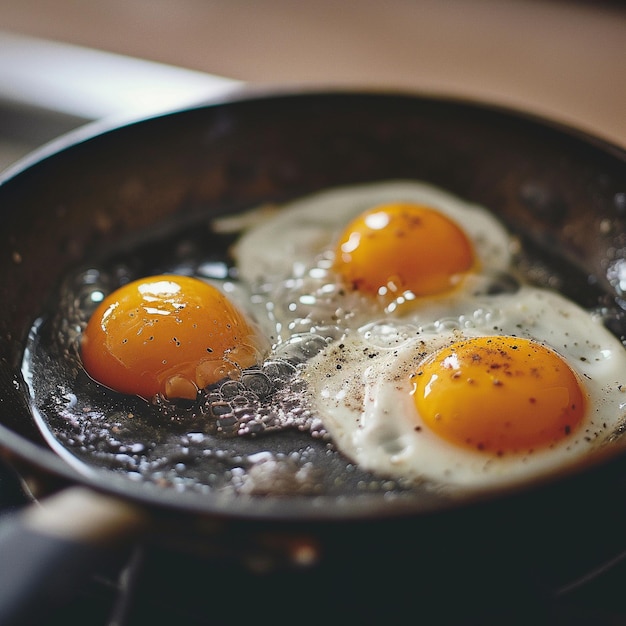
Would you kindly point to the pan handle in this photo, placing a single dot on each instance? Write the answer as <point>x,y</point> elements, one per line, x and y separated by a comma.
<point>49,550</point>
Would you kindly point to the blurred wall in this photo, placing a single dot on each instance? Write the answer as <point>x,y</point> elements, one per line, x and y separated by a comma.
<point>566,60</point>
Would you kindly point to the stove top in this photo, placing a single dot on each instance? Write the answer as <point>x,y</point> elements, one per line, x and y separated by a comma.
<point>148,584</point>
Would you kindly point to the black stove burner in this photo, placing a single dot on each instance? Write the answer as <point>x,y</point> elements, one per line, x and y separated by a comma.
<point>153,590</point>
<point>154,586</point>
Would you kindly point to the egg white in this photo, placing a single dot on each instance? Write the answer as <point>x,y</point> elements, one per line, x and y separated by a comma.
<point>361,388</point>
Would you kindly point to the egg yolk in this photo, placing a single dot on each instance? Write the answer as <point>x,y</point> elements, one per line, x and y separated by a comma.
<point>403,247</point>
<point>499,394</point>
<point>167,334</point>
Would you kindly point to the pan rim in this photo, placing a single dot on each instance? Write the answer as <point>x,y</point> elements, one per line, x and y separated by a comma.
<point>250,93</point>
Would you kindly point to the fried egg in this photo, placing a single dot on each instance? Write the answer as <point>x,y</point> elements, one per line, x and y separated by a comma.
<point>169,335</point>
<point>524,385</point>
<point>347,255</point>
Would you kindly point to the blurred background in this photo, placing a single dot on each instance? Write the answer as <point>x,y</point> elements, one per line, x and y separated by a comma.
<point>76,60</point>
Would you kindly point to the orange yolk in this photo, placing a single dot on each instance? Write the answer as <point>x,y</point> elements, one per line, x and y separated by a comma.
<point>403,247</point>
<point>167,334</point>
<point>499,394</point>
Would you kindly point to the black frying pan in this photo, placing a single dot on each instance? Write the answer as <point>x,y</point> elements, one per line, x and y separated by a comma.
<point>563,192</point>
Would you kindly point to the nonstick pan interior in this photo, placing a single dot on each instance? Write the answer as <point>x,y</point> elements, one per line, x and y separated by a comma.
<point>561,192</point>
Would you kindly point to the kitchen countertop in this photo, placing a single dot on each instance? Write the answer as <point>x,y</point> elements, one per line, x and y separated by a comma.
<point>565,60</point>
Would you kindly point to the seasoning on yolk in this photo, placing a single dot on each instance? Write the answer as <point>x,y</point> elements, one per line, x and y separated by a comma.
<point>499,394</point>
<point>167,334</point>
<point>395,248</point>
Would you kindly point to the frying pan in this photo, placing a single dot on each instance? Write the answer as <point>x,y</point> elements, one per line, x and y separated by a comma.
<point>561,191</point>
